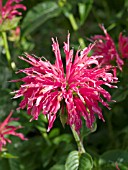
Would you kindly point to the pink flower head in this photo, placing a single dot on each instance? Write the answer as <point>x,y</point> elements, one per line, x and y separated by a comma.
<point>48,89</point>
<point>105,46</point>
<point>123,46</point>
<point>6,129</point>
<point>10,9</point>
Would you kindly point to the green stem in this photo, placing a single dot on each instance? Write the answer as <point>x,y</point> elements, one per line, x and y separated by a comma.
<point>73,21</point>
<point>75,27</point>
<point>78,141</point>
<point>8,56</point>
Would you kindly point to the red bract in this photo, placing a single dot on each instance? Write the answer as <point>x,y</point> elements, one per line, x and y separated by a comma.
<point>105,46</point>
<point>6,129</point>
<point>48,89</point>
<point>10,9</point>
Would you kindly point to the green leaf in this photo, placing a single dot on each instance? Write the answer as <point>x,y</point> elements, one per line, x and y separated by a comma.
<point>76,161</point>
<point>62,138</point>
<point>38,15</point>
<point>72,162</point>
<point>14,123</point>
<point>120,94</point>
<point>57,167</point>
<point>54,132</point>
<point>7,155</point>
<point>84,9</point>
<point>113,156</point>
<point>9,24</point>
<point>86,162</point>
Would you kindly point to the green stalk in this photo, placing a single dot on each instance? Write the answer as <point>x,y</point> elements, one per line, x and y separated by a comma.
<point>78,140</point>
<point>8,56</point>
<point>75,27</point>
<point>73,21</point>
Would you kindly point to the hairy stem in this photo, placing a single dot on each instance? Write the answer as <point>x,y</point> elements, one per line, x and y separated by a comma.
<point>78,140</point>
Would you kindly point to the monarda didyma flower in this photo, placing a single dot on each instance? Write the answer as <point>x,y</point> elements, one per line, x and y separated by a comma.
<point>105,46</point>
<point>7,129</point>
<point>10,9</point>
<point>47,89</point>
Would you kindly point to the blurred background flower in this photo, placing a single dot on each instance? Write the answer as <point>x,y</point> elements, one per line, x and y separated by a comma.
<point>10,9</point>
<point>7,129</point>
<point>105,46</point>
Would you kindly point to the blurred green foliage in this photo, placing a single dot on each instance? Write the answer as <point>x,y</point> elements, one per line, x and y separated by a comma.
<point>44,19</point>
